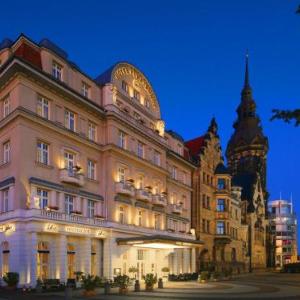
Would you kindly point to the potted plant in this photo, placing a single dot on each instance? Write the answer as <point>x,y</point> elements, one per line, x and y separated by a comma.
<point>89,283</point>
<point>133,270</point>
<point>165,270</point>
<point>78,277</point>
<point>204,276</point>
<point>150,280</point>
<point>122,281</point>
<point>11,279</point>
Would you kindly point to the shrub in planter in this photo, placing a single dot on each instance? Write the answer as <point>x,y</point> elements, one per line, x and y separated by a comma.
<point>133,270</point>
<point>78,276</point>
<point>204,276</point>
<point>150,280</point>
<point>122,281</point>
<point>11,279</point>
<point>89,283</point>
<point>216,276</point>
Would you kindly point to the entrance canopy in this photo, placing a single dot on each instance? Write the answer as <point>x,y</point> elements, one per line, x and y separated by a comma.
<point>159,242</point>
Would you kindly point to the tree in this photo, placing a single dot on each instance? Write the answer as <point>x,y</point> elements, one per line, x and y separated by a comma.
<point>287,115</point>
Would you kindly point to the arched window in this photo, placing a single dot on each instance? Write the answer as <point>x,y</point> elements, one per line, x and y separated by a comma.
<point>43,260</point>
<point>5,257</point>
<point>71,260</point>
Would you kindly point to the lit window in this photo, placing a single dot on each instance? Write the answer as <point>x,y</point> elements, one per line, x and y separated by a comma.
<point>156,188</point>
<point>43,254</point>
<point>69,204</point>
<point>43,107</point>
<point>69,160</point>
<point>5,194</point>
<point>85,89</point>
<point>43,153</point>
<point>70,120</point>
<point>91,170</point>
<point>174,172</point>
<point>221,184</point>
<point>121,215</point>
<point>6,107</point>
<point>57,71</point>
<point>157,158</point>
<point>221,205</point>
<point>136,95</point>
<point>140,182</point>
<point>140,218</point>
<point>43,198</point>
<point>121,175</point>
<point>92,131</point>
<point>91,208</point>
<point>6,152</point>
<point>140,150</point>
<point>5,257</point>
<point>122,139</point>
<point>125,86</point>
<point>220,227</point>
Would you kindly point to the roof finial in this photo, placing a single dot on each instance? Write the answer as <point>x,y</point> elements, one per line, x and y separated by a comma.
<point>246,84</point>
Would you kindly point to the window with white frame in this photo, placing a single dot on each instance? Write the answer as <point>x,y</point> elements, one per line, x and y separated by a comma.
<point>121,215</point>
<point>5,198</point>
<point>92,131</point>
<point>140,149</point>
<point>57,70</point>
<point>140,254</point>
<point>85,89</point>
<point>6,152</point>
<point>220,227</point>
<point>43,198</point>
<point>122,139</point>
<point>70,120</point>
<point>157,158</point>
<point>91,208</point>
<point>6,107</point>
<point>69,204</point>
<point>69,161</point>
<point>42,153</point>
<point>174,172</point>
<point>43,107</point>
<point>91,169</point>
<point>121,174</point>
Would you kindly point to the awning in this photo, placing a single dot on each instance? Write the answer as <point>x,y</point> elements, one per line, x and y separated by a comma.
<point>159,242</point>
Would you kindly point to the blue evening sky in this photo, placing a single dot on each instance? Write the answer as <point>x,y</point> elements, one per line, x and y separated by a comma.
<point>193,54</point>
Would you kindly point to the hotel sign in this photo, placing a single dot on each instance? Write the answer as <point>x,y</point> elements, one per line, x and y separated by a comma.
<point>6,228</point>
<point>80,230</point>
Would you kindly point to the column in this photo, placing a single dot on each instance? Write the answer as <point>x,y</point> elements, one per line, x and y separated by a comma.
<point>193,260</point>
<point>32,250</point>
<point>62,254</point>
<point>186,261</point>
<point>84,207</point>
<point>107,257</point>
<point>175,262</point>
<point>85,255</point>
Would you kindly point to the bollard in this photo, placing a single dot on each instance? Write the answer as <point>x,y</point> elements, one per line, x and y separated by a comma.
<point>68,293</point>
<point>137,286</point>
<point>160,283</point>
<point>106,288</point>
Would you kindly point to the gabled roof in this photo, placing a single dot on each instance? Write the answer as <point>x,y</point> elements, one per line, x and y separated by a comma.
<point>195,145</point>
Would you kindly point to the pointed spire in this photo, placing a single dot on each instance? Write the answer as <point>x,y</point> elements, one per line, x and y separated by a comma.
<point>246,83</point>
<point>213,127</point>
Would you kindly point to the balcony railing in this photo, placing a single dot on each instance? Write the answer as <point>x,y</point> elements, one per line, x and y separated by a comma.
<point>71,176</point>
<point>125,189</point>
<point>159,200</point>
<point>143,195</point>
<point>221,215</point>
<point>176,208</point>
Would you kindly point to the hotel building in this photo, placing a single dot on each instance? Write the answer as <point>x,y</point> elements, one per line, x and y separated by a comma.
<point>90,180</point>
<point>283,224</point>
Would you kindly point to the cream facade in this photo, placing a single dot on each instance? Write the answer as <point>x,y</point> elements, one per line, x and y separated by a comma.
<point>89,178</point>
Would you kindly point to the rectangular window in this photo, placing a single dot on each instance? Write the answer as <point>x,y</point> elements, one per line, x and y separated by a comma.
<point>91,170</point>
<point>220,227</point>
<point>136,95</point>
<point>43,107</point>
<point>203,225</point>
<point>92,131</point>
<point>121,175</point>
<point>85,89</point>
<point>5,194</point>
<point>57,70</point>
<point>69,204</point>
<point>91,209</point>
<point>122,139</point>
<point>140,255</point>
<point>174,172</point>
<point>221,184</point>
<point>184,178</point>
<point>125,86</point>
<point>121,215</point>
<point>157,158</point>
<point>43,198</point>
<point>140,182</point>
<point>6,152</point>
<point>69,161</point>
<point>203,201</point>
<point>157,221</point>
<point>147,103</point>
<point>43,153</point>
<point>70,120</point>
<point>140,218</point>
<point>221,205</point>
<point>6,107</point>
<point>140,150</point>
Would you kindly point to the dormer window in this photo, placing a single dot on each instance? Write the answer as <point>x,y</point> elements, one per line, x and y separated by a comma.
<point>125,86</point>
<point>85,89</point>
<point>57,70</point>
<point>147,103</point>
<point>136,95</point>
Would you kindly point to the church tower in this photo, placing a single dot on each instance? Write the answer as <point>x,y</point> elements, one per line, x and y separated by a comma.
<point>247,148</point>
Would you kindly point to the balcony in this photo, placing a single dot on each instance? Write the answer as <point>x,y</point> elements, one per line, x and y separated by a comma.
<point>72,176</point>
<point>222,215</point>
<point>124,189</point>
<point>176,208</point>
<point>159,200</point>
<point>221,239</point>
<point>143,195</point>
